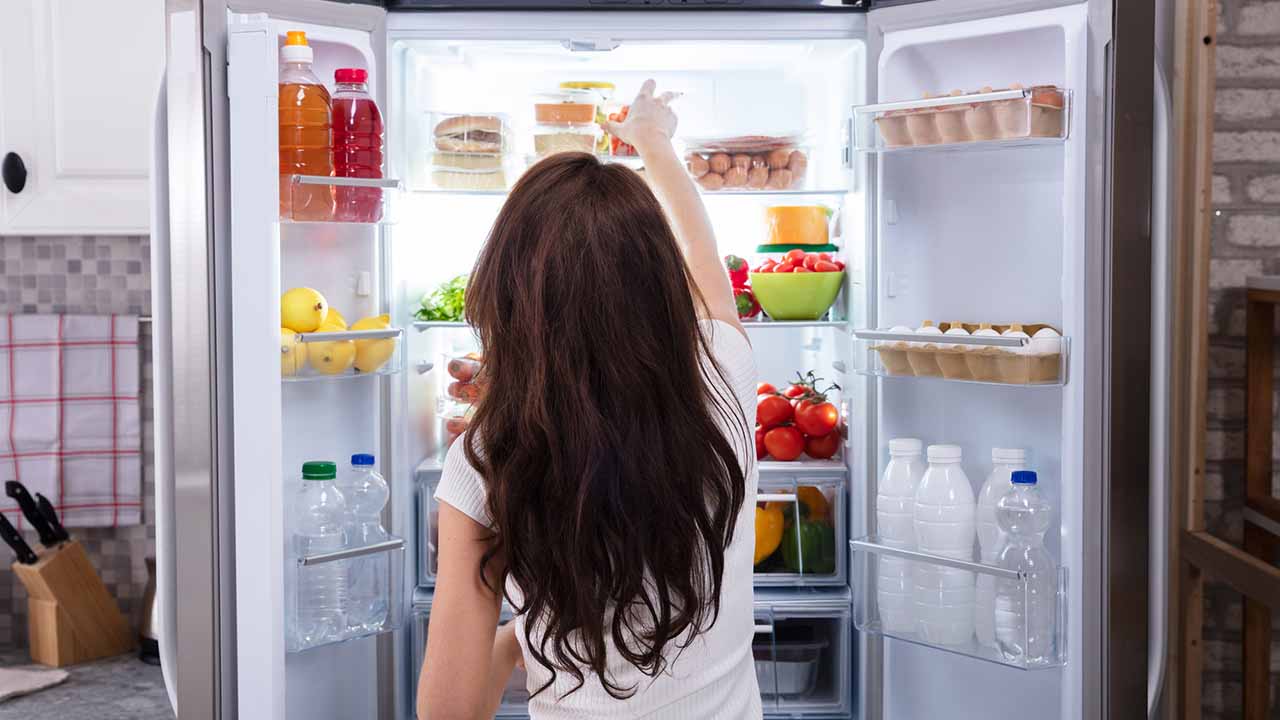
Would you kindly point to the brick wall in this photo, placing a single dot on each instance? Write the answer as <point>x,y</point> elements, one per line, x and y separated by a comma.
<point>1246,241</point>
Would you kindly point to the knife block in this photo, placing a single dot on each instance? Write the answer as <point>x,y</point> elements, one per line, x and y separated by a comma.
<point>72,617</point>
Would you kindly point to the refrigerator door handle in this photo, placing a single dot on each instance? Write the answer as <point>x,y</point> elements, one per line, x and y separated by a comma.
<point>1158,619</point>
<point>162,399</point>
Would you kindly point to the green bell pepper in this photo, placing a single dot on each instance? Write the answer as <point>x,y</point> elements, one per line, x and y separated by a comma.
<point>810,548</point>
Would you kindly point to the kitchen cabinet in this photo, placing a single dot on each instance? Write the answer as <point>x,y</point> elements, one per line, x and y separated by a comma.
<point>79,80</point>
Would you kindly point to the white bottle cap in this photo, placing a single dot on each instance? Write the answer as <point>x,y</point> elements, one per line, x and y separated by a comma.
<point>296,54</point>
<point>905,446</point>
<point>944,453</point>
<point>1008,455</point>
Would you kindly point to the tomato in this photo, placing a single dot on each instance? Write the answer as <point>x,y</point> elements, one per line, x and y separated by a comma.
<point>816,419</point>
<point>839,264</point>
<point>760,449</point>
<point>464,368</point>
<point>785,266</point>
<point>796,256</point>
<point>796,390</point>
<point>767,266</point>
<point>772,410</point>
<point>765,388</point>
<point>784,443</point>
<point>802,269</point>
<point>824,256</point>
<point>810,260</point>
<point>824,266</point>
<point>824,447</point>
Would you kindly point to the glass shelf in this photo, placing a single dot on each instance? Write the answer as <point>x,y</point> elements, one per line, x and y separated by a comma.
<point>330,356</point>
<point>423,325</point>
<point>740,194</point>
<point>390,555</point>
<point>883,607</point>
<point>326,200</point>
<point>998,360</point>
<point>793,324</point>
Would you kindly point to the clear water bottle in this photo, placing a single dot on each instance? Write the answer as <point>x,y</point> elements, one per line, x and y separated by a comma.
<point>318,528</point>
<point>895,527</point>
<point>944,524</point>
<point>365,492</point>
<point>991,538</point>
<point>1026,613</point>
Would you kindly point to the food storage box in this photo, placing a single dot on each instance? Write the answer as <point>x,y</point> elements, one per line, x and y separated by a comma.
<point>993,359</point>
<point>470,151</point>
<point>566,107</point>
<point>552,139</point>
<point>1017,114</point>
<point>340,355</point>
<point>799,520</point>
<point>390,607</point>
<point>748,162</point>
<point>803,655</point>
<point>883,607</point>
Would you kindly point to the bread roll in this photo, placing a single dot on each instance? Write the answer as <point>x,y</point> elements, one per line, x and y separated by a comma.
<point>698,165</point>
<point>720,162</point>
<point>735,177</point>
<point>778,158</point>
<point>758,177</point>
<point>711,181</point>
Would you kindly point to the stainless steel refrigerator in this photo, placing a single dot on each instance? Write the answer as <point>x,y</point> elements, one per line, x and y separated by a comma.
<point>1054,217</point>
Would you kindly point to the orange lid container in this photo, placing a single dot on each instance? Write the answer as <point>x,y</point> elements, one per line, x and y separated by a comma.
<point>797,224</point>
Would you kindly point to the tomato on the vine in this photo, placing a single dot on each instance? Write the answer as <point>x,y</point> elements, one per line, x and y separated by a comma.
<point>816,417</point>
<point>760,448</point>
<point>824,447</point>
<point>765,388</point>
<point>784,443</point>
<point>773,410</point>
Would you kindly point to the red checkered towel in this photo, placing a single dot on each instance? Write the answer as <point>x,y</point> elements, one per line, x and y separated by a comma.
<point>70,424</point>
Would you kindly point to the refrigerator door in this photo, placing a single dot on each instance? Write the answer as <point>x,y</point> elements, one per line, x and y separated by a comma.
<point>1020,221</point>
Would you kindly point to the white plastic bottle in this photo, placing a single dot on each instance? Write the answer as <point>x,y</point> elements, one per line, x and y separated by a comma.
<point>991,538</point>
<point>365,492</point>
<point>944,524</point>
<point>1026,615</point>
<point>318,528</point>
<point>895,527</point>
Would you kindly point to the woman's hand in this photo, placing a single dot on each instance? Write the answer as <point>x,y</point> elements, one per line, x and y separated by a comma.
<point>649,121</point>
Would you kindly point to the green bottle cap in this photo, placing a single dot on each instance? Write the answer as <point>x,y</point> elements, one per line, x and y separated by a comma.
<point>319,470</point>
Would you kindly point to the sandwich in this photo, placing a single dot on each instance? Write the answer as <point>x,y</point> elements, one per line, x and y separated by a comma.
<point>471,134</point>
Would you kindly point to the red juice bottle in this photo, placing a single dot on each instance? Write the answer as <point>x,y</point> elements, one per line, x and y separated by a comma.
<point>357,146</point>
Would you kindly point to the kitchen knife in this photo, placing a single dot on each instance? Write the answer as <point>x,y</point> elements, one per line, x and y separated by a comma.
<point>51,515</point>
<point>11,538</point>
<point>18,491</point>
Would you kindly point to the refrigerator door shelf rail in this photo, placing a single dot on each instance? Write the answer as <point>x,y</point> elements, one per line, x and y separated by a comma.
<point>738,195</point>
<point>1002,361</point>
<point>389,594</point>
<point>874,562</point>
<point>330,356</point>
<point>765,324</point>
<point>806,467</point>
<point>977,121</point>
<point>357,201</point>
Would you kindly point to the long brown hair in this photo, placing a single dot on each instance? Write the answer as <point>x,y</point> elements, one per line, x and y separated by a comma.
<point>612,489</point>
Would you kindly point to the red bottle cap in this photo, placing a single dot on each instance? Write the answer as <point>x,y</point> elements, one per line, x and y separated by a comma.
<point>351,75</point>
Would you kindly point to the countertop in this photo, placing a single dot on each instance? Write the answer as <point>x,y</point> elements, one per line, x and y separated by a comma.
<point>119,688</point>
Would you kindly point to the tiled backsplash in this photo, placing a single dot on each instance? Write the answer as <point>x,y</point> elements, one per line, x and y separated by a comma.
<point>89,275</point>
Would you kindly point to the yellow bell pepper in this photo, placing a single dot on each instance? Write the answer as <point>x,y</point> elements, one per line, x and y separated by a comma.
<point>768,532</point>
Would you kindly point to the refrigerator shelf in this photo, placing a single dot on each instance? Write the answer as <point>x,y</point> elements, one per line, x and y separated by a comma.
<point>1001,361</point>
<point>885,613</point>
<point>356,201</point>
<point>424,325</point>
<point>983,120</point>
<point>792,324</point>
<point>804,467</point>
<point>315,342</point>
<point>740,194</point>
<point>389,555</point>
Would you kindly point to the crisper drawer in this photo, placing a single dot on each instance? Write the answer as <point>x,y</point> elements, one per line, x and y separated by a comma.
<point>515,698</point>
<point>804,660</point>
<point>800,517</point>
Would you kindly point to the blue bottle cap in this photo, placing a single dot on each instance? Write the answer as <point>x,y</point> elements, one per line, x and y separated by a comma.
<point>1024,477</point>
<point>367,459</point>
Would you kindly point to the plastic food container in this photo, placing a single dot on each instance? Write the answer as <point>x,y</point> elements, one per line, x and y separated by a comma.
<point>551,139</point>
<point>604,93</point>
<point>478,133</point>
<point>985,115</point>
<point>797,224</point>
<point>749,162</point>
<point>567,106</point>
<point>793,668</point>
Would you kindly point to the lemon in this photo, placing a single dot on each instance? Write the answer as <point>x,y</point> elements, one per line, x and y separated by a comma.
<point>303,309</point>
<point>293,354</point>
<point>373,354</point>
<point>333,320</point>
<point>332,357</point>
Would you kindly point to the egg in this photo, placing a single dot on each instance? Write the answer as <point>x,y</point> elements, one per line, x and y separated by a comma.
<point>956,329</point>
<point>711,181</point>
<point>779,179</point>
<point>698,165</point>
<point>735,177</point>
<point>1015,331</point>
<point>901,330</point>
<point>719,163</point>
<point>758,177</point>
<point>1046,341</point>
<point>778,158</point>
<point>742,160</point>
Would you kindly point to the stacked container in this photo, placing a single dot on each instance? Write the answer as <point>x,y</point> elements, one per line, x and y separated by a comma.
<point>565,121</point>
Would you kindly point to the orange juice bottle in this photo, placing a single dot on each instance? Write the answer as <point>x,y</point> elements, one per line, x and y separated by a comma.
<point>306,134</point>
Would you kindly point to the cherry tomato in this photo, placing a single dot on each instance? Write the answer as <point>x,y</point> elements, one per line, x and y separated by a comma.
<point>773,410</point>
<point>760,448</point>
<point>839,264</point>
<point>784,443</point>
<point>785,266</point>
<point>765,388</point>
<point>810,260</point>
<point>802,269</point>
<point>816,419</point>
<point>824,266</point>
<point>825,256</point>
<point>824,447</point>
<point>796,256</point>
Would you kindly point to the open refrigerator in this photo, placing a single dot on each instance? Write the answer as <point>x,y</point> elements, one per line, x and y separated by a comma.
<point>934,221</point>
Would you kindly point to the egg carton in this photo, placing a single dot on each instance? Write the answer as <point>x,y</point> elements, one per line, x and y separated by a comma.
<point>1013,114</point>
<point>996,359</point>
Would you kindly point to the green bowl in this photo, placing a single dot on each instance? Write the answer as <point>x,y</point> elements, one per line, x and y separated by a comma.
<point>796,296</point>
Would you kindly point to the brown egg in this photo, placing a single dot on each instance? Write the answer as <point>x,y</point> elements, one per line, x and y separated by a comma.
<point>758,177</point>
<point>779,179</point>
<point>742,160</point>
<point>778,158</point>
<point>735,177</point>
<point>797,163</point>
<point>720,162</point>
<point>711,181</point>
<point>697,165</point>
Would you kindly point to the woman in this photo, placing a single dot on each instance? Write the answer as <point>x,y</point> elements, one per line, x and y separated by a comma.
<point>602,482</point>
